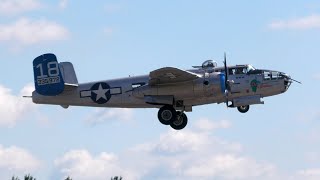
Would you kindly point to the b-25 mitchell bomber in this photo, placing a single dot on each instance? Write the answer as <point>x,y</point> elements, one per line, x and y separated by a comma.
<point>172,90</point>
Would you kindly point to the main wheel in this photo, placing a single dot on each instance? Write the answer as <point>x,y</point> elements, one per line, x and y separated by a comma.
<point>180,122</point>
<point>243,109</point>
<point>167,114</point>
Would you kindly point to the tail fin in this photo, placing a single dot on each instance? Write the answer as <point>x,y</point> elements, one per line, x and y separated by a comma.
<point>47,75</point>
<point>68,74</point>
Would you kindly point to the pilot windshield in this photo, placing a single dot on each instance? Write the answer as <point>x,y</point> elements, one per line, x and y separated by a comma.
<point>241,70</point>
<point>250,68</point>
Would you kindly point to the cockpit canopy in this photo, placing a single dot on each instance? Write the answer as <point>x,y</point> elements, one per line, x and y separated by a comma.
<point>238,69</point>
<point>207,66</point>
<point>248,69</point>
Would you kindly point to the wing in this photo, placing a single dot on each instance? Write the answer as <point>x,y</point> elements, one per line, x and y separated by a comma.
<point>169,75</point>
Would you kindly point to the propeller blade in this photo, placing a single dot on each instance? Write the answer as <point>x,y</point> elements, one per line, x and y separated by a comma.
<point>226,92</point>
<point>226,78</point>
<point>225,62</point>
<point>225,71</point>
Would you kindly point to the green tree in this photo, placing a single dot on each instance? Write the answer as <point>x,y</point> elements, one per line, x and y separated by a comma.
<point>116,178</point>
<point>29,177</point>
<point>14,178</point>
<point>68,178</point>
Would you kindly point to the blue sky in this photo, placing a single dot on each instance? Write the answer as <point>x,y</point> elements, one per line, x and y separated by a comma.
<point>109,39</point>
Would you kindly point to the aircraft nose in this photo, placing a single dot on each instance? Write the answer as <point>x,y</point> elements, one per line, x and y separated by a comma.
<point>287,80</point>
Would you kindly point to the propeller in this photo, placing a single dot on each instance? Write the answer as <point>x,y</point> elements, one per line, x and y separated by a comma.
<point>226,79</point>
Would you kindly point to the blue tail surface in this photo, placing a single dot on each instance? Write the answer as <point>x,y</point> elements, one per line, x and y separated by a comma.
<point>47,75</point>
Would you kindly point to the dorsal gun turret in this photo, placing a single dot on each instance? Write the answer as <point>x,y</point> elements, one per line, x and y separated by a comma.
<point>208,65</point>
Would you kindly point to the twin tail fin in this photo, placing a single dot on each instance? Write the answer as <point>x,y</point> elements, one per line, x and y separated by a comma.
<point>50,77</point>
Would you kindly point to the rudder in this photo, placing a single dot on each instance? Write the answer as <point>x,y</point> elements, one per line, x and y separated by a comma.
<point>47,75</point>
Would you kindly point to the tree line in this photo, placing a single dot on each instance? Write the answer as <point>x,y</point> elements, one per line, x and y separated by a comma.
<point>29,177</point>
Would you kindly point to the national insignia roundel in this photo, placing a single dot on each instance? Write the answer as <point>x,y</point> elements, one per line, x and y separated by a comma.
<point>100,93</point>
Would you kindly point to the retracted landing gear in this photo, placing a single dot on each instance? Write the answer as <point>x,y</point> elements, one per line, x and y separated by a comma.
<point>167,115</point>
<point>243,109</point>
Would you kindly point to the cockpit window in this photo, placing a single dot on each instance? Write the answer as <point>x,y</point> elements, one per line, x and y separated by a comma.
<point>241,70</point>
<point>267,75</point>
<point>274,75</point>
<point>250,68</point>
<point>237,70</point>
<point>136,85</point>
<point>232,71</point>
<point>271,75</point>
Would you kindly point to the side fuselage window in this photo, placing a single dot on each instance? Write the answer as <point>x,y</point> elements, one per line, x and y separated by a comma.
<point>274,75</point>
<point>136,85</point>
<point>267,75</point>
<point>232,71</point>
<point>241,70</point>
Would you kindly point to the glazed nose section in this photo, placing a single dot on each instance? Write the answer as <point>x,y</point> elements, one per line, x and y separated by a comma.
<point>287,81</point>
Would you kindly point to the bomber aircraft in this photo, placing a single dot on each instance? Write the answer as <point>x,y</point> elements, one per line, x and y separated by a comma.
<point>172,90</point>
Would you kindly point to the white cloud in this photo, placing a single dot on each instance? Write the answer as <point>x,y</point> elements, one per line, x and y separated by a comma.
<point>15,160</point>
<point>316,76</point>
<point>188,141</point>
<point>175,155</point>
<point>28,32</point>
<point>12,7</point>
<point>12,107</point>
<point>103,115</point>
<point>308,22</point>
<point>108,31</point>
<point>27,90</point>
<point>63,4</point>
<point>309,174</point>
<point>313,136</point>
<point>206,124</point>
<point>312,156</point>
<point>113,7</point>
<point>228,166</point>
<point>81,165</point>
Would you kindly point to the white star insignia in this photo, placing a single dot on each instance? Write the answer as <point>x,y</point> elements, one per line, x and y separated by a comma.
<point>101,93</point>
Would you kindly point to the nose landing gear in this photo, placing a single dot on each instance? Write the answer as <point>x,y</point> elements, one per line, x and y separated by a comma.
<point>167,115</point>
<point>243,109</point>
